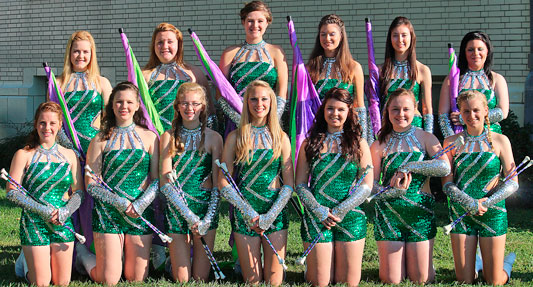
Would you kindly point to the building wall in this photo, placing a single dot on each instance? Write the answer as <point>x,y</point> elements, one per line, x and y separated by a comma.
<point>35,31</point>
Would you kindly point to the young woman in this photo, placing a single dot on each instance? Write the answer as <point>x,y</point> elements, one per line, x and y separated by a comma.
<point>475,65</point>
<point>86,92</point>
<point>259,153</point>
<point>190,149</point>
<point>166,70</point>
<point>331,65</point>
<point>402,70</point>
<point>332,159</point>
<point>405,223</point>
<point>254,59</point>
<point>476,176</point>
<point>47,171</point>
<point>125,155</point>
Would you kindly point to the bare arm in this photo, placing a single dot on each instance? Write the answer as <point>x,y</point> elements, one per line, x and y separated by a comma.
<point>280,62</point>
<point>359,81</point>
<point>502,92</point>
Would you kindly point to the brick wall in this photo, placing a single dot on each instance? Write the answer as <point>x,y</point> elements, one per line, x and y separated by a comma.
<point>36,31</point>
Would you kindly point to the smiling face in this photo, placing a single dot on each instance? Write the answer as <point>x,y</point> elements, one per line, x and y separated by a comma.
<point>190,106</point>
<point>255,25</point>
<point>166,46</point>
<point>330,38</point>
<point>474,111</point>
<point>80,55</point>
<point>47,126</point>
<point>259,103</point>
<point>401,39</point>
<point>401,112</point>
<point>125,104</point>
<point>335,114</point>
<point>476,54</point>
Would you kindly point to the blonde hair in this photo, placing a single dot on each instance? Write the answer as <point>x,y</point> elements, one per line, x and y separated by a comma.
<point>474,94</point>
<point>93,71</point>
<point>177,146</point>
<point>244,143</point>
<point>154,60</point>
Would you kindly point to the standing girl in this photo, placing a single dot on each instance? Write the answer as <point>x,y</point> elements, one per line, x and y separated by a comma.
<point>404,226</point>
<point>333,157</point>
<point>402,70</point>
<point>190,149</point>
<point>260,153</point>
<point>125,155</point>
<point>47,171</point>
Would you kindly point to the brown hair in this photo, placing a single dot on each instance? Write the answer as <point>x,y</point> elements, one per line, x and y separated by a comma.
<point>344,60</point>
<point>462,63</point>
<point>33,139</point>
<point>177,122</point>
<point>154,60</point>
<point>93,71</point>
<point>474,94</point>
<point>388,66</point>
<point>109,121</point>
<point>256,6</point>
<point>386,127</point>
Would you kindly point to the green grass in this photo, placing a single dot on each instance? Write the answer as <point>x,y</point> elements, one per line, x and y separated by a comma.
<point>519,240</point>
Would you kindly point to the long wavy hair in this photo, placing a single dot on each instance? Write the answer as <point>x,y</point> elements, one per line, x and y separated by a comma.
<point>154,60</point>
<point>93,71</point>
<point>474,94</point>
<point>386,127</point>
<point>387,69</point>
<point>463,63</point>
<point>351,129</point>
<point>177,122</point>
<point>343,58</point>
<point>244,144</point>
<point>33,139</point>
<point>109,120</point>
<point>256,6</point>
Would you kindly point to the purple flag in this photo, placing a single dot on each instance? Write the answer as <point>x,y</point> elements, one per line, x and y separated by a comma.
<point>372,85</point>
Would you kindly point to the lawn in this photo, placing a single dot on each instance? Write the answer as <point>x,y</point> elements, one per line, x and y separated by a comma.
<point>519,240</point>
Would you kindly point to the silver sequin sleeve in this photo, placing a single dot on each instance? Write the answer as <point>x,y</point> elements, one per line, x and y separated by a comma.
<point>428,123</point>
<point>495,115</point>
<point>362,119</point>
<point>236,200</point>
<point>72,205</point>
<point>445,125</point>
<point>305,194</point>
<point>178,203</point>
<point>266,220</point>
<point>234,116</point>
<point>143,201</point>
<point>354,200</point>
<point>466,201</point>
<point>501,192</point>
<point>102,194</point>
<point>281,102</point>
<point>212,210</point>
<point>63,140</point>
<point>434,167</point>
<point>389,193</point>
<point>21,199</point>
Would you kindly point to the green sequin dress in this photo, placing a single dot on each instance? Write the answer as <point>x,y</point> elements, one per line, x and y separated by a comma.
<point>332,177</point>
<point>474,171</point>
<point>85,109</point>
<point>243,73</point>
<point>324,85</point>
<point>255,180</point>
<point>47,182</point>
<point>163,94</point>
<point>193,168</point>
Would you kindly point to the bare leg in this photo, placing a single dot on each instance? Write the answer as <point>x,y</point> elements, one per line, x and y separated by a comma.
<point>493,253</point>
<point>320,264</point>
<point>108,248</point>
<point>180,256</point>
<point>137,256</point>
<point>201,266</point>
<point>464,256</point>
<point>391,261</point>
<point>348,261</point>
<point>38,260</point>
<point>419,261</point>
<point>249,250</point>
<point>61,254</point>
<point>273,271</point>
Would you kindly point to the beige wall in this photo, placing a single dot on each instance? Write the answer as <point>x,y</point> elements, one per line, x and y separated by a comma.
<point>37,31</point>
